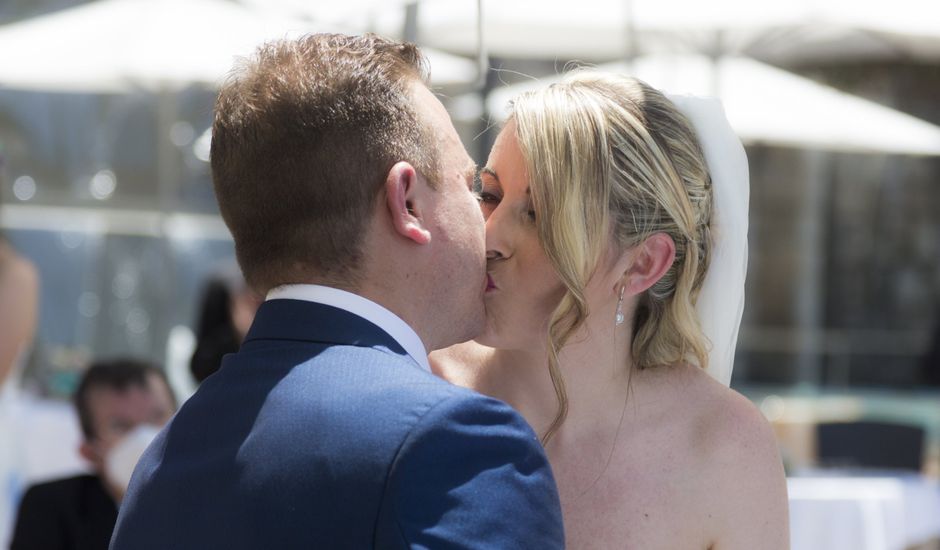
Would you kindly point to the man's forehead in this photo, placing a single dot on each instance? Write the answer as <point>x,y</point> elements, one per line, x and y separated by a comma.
<point>112,389</point>
<point>431,112</point>
<point>149,385</point>
<point>428,105</point>
<point>471,168</point>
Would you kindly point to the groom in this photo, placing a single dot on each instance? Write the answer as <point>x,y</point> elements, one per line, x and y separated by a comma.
<point>347,192</point>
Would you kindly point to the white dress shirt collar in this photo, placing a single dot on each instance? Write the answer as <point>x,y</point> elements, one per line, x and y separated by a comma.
<point>362,307</point>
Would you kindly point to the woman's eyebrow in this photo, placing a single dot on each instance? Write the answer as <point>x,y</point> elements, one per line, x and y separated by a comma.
<point>490,172</point>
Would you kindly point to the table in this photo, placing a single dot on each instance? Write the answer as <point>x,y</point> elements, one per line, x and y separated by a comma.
<point>829,511</point>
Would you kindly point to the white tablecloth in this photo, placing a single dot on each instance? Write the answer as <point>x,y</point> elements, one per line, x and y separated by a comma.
<point>39,441</point>
<point>863,513</point>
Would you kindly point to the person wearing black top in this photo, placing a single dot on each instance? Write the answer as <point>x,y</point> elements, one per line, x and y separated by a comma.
<point>227,308</point>
<point>79,513</point>
<point>75,513</point>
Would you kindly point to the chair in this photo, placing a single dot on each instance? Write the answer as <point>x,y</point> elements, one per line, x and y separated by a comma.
<point>878,445</point>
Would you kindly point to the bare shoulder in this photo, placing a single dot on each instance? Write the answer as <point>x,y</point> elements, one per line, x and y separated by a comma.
<point>19,291</point>
<point>19,296</point>
<point>743,464</point>
<point>725,422</point>
<point>18,274</point>
<point>722,427</point>
<point>734,426</point>
<point>461,364</point>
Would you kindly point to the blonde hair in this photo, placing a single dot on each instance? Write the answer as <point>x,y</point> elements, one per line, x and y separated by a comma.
<point>610,157</point>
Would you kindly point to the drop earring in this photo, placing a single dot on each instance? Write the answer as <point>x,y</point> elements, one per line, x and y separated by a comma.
<point>619,317</point>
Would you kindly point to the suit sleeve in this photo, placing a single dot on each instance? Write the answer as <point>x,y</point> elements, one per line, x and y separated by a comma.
<point>37,522</point>
<point>471,474</point>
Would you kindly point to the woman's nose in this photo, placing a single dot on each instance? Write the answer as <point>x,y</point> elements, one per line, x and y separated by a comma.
<point>497,238</point>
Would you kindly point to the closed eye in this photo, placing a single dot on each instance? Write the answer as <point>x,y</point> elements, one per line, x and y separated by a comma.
<point>485,197</point>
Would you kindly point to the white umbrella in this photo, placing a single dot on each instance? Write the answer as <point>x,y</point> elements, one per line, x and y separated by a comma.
<point>120,45</point>
<point>848,29</point>
<point>352,14</point>
<point>116,46</point>
<point>768,105</point>
<point>611,29</point>
<point>520,28</point>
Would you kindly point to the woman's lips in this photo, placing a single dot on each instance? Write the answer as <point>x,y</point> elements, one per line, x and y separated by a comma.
<point>490,285</point>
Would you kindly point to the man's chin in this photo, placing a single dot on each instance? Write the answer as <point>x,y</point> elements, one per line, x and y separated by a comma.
<point>487,337</point>
<point>473,332</point>
<point>467,333</point>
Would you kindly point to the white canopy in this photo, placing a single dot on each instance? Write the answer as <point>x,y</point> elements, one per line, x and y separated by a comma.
<point>120,45</point>
<point>117,45</point>
<point>768,105</point>
<point>610,29</point>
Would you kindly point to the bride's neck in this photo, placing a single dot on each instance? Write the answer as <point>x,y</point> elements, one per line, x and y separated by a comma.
<point>595,365</point>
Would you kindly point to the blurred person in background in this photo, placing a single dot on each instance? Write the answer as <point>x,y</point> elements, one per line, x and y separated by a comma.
<point>19,299</point>
<point>226,311</point>
<point>121,405</point>
<point>599,232</point>
<point>19,311</point>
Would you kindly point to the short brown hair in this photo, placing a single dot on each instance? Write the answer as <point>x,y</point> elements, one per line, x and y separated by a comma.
<point>304,135</point>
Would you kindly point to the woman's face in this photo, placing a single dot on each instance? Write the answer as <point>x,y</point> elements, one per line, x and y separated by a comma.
<point>523,289</point>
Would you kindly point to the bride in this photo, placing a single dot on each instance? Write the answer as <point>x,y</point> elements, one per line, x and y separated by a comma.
<point>600,229</point>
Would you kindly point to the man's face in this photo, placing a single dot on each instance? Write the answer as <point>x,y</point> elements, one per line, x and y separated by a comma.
<point>457,231</point>
<point>115,413</point>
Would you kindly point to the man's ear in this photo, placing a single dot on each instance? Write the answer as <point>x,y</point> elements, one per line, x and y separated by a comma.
<point>651,259</point>
<point>405,200</point>
<point>89,453</point>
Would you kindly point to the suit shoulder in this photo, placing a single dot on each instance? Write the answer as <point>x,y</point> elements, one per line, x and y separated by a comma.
<point>474,430</point>
<point>475,457</point>
<point>465,406</point>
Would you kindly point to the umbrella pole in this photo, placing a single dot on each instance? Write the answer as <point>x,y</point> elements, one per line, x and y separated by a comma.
<point>629,28</point>
<point>483,58</point>
<point>168,179</point>
<point>167,165</point>
<point>410,32</point>
<point>810,298</point>
<point>485,84</point>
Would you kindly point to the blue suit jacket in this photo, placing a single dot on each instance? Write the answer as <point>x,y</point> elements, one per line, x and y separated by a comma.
<point>321,432</point>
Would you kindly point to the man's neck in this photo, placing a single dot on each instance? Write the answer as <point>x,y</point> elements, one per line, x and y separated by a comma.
<point>402,307</point>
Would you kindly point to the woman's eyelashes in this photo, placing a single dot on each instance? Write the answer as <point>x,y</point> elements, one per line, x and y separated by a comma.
<point>488,191</point>
<point>487,197</point>
<point>490,197</point>
<point>488,202</point>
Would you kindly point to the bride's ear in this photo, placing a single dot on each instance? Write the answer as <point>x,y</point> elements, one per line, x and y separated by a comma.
<point>647,263</point>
